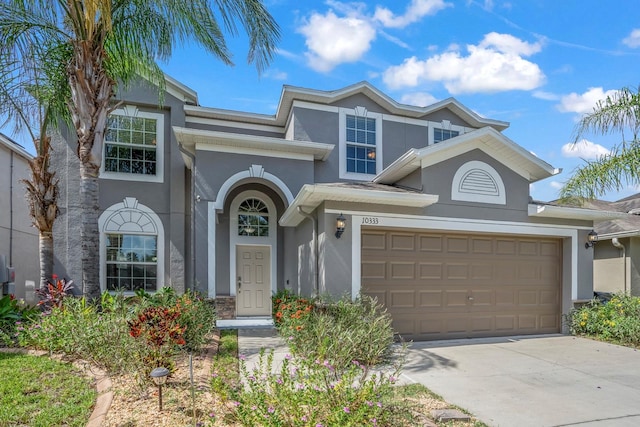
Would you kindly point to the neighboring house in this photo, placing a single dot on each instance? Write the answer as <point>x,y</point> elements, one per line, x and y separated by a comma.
<point>439,223</point>
<point>616,258</point>
<point>18,238</point>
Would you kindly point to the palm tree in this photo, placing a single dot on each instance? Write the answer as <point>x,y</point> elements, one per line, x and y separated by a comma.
<point>33,101</point>
<point>619,113</point>
<point>111,42</point>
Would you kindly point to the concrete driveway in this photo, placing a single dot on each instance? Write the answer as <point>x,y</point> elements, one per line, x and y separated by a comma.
<point>533,381</point>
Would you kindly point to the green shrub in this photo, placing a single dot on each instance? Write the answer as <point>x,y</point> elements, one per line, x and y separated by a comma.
<point>79,329</point>
<point>617,320</point>
<point>14,313</point>
<point>308,392</point>
<point>341,332</point>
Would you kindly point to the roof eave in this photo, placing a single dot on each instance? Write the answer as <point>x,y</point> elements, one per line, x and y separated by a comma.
<point>312,195</point>
<point>563,212</point>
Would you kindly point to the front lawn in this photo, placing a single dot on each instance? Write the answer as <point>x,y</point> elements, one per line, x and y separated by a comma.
<point>39,391</point>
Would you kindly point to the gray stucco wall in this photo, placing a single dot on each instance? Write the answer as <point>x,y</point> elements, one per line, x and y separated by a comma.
<point>18,239</point>
<point>610,270</point>
<point>169,199</point>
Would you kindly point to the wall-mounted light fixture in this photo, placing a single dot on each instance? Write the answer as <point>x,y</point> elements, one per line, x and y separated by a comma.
<point>340,223</point>
<point>591,239</point>
<point>159,376</point>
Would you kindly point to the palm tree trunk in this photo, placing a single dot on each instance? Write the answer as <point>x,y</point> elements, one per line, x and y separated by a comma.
<point>89,232</point>
<point>42,196</point>
<point>46,257</point>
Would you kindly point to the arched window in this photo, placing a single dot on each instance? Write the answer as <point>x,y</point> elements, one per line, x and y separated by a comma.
<point>131,248</point>
<point>253,218</point>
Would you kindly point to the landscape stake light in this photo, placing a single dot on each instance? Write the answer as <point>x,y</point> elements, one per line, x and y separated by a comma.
<point>159,376</point>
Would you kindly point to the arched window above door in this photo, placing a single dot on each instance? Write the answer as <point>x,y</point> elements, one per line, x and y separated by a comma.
<point>253,218</point>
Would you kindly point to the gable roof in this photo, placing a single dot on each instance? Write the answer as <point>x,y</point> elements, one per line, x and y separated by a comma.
<point>14,146</point>
<point>487,139</point>
<point>290,94</point>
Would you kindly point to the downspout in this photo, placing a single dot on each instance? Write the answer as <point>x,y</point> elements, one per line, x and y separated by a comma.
<point>11,172</point>
<point>620,246</point>
<point>314,239</point>
<point>192,219</point>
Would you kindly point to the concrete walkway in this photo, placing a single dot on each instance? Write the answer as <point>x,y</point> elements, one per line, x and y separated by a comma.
<point>533,381</point>
<point>250,341</point>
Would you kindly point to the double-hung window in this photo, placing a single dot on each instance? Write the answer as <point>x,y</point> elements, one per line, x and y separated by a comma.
<point>133,146</point>
<point>360,144</point>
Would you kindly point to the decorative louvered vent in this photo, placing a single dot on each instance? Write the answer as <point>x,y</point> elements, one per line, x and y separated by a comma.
<point>477,181</point>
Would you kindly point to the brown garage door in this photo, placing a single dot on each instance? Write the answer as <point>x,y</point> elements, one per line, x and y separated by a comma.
<point>440,285</point>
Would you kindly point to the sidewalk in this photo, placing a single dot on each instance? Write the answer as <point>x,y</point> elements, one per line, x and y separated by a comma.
<point>250,341</point>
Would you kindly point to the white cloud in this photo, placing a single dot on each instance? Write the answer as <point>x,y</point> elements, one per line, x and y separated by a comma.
<point>419,99</point>
<point>495,64</point>
<point>584,149</point>
<point>584,103</point>
<point>416,11</point>
<point>555,184</point>
<point>276,74</point>
<point>547,96</point>
<point>332,40</point>
<point>633,39</point>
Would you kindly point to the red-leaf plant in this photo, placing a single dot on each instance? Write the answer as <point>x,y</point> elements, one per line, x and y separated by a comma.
<point>161,331</point>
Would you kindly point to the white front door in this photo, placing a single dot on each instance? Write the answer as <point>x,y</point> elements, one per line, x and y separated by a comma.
<point>253,281</point>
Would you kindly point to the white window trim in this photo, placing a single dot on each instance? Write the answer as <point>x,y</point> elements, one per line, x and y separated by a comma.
<point>129,111</point>
<point>130,217</point>
<point>456,194</point>
<point>342,137</point>
<point>235,239</point>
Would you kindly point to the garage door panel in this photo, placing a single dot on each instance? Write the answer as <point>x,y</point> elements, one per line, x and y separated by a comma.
<point>402,270</point>
<point>482,323</point>
<point>374,240</point>
<point>401,299</point>
<point>457,271</point>
<point>430,270</point>
<point>402,242</point>
<point>505,322</point>
<point>527,322</point>
<point>430,299</point>
<point>457,245</point>
<point>374,270</point>
<point>439,285</point>
<point>455,298</point>
<point>429,243</point>
<point>482,298</point>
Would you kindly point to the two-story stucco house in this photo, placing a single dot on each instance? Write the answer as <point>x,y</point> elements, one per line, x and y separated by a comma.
<point>438,222</point>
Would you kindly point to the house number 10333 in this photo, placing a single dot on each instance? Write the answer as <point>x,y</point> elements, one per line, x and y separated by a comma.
<point>370,220</point>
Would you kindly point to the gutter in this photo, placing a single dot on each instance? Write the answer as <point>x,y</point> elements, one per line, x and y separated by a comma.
<point>192,218</point>
<point>620,246</point>
<point>314,239</point>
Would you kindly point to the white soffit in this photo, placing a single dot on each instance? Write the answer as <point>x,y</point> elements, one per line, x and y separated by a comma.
<point>565,212</point>
<point>229,142</point>
<point>312,195</point>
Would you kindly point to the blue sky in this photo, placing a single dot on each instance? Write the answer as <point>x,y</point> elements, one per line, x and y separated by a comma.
<point>538,64</point>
